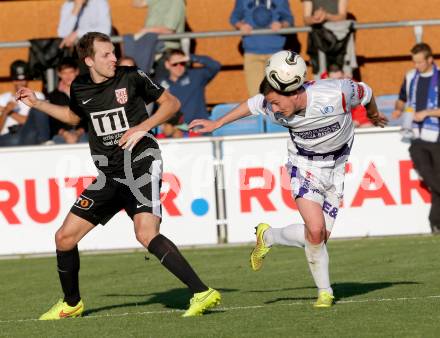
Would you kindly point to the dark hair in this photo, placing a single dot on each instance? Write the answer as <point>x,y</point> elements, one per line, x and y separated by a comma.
<point>85,46</point>
<point>129,58</point>
<point>67,62</point>
<point>266,89</point>
<point>333,68</point>
<point>19,70</point>
<point>167,54</point>
<point>422,48</point>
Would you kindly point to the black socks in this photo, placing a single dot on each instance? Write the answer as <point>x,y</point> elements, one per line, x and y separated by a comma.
<point>68,268</point>
<point>172,259</point>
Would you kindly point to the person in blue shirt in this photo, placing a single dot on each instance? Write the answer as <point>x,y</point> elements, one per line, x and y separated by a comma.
<point>260,14</point>
<point>187,83</point>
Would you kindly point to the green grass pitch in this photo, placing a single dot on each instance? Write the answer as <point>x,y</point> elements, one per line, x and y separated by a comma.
<point>385,287</point>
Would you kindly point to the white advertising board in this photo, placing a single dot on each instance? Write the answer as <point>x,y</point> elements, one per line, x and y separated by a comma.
<point>38,185</point>
<point>383,194</point>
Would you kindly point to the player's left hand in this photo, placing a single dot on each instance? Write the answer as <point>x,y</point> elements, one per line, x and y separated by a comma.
<point>203,126</point>
<point>378,119</point>
<point>131,137</point>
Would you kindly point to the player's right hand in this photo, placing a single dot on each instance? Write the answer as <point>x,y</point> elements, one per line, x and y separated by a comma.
<point>203,126</point>
<point>27,96</point>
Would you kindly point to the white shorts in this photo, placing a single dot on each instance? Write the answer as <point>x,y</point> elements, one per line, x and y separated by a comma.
<point>321,182</point>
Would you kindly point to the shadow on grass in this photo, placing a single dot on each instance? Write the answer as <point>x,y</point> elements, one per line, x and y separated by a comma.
<point>341,290</point>
<point>283,289</point>
<point>172,299</point>
<point>346,290</point>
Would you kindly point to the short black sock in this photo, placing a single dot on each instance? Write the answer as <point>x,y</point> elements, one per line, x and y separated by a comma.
<point>68,269</point>
<point>170,257</point>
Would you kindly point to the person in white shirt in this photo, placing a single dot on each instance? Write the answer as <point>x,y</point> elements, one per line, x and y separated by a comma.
<point>318,116</point>
<point>78,17</point>
<point>13,114</point>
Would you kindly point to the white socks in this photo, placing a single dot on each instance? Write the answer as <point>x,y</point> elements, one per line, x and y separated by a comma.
<point>316,254</point>
<point>291,235</point>
<point>317,257</point>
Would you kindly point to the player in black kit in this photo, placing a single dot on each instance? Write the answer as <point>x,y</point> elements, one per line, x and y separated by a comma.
<point>112,99</point>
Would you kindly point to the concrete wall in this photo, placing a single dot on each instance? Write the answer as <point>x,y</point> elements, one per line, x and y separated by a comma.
<point>383,53</point>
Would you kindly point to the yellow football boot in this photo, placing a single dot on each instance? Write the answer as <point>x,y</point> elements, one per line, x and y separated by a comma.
<point>260,250</point>
<point>62,310</point>
<point>325,299</point>
<point>203,301</point>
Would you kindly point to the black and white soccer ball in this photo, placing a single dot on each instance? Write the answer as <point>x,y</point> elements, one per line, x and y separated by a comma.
<point>286,71</point>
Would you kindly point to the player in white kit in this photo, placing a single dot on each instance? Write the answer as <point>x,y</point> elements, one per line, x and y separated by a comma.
<point>318,116</point>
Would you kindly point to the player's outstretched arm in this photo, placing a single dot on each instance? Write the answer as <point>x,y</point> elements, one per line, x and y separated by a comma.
<point>207,126</point>
<point>62,113</point>
<point>374,115</point>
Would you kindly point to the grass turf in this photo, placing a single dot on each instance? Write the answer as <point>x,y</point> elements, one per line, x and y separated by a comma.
<point>385,287</point>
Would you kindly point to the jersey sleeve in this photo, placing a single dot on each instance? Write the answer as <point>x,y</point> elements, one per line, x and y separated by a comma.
<point>73,103</point>
<point>256,104</point>
<point>357,92</point>
<point>149,90</point>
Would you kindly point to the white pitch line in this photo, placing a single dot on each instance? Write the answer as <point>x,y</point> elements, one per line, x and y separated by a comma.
<point>232,308</point>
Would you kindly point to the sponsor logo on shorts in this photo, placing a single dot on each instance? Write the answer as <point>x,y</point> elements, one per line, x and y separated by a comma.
<point>84,202</point>
<point>330,209</point>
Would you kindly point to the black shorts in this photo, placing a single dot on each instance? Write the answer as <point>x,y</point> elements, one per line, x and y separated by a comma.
<point>107,195</point>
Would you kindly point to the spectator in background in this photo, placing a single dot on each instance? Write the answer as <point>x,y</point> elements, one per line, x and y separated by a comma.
<point>127,61</point>
<point>188,83</point>
<point>421,95</point>
<point>331,40</point>
<point>358,113</point>
<point>255,14</point>
<point>62,133</point>
<point>15,114</point>
<point>163,17</point>
<point>175,127</point>
<point>79,17</point>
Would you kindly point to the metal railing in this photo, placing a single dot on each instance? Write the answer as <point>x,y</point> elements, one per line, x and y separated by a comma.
<point>416,24</point>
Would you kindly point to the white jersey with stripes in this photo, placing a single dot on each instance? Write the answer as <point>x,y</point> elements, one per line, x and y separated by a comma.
<point>326,125</point>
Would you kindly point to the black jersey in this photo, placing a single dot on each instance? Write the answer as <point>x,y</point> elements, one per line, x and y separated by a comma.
<point>111,108</point>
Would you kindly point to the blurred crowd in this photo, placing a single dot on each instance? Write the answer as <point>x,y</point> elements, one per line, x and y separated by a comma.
<point>171,63</point>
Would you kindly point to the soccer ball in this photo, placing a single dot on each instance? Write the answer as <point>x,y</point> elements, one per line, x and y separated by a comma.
<point>286,71</point>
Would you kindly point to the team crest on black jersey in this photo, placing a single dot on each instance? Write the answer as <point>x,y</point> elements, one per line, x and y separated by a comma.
<point>121,95</point>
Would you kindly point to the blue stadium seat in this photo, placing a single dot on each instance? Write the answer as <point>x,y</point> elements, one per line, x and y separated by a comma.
<point>249,125</point>
<point>385,104</point>
<point>273,127</point>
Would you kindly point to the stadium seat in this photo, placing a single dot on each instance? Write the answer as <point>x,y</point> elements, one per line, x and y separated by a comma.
<point>273,127</point>
<point>385,104</point>
<point>249,125</point>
